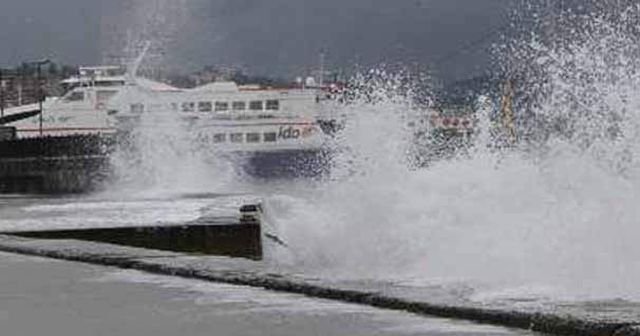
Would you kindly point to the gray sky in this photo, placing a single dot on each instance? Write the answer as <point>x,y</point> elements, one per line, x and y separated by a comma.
<point>267,36</point>
<point>66,30</point>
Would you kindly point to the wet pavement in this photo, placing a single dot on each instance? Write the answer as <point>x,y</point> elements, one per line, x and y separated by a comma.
<point>57,298</point>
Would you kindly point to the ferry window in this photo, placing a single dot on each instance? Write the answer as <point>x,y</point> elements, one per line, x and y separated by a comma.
<point>202,138</point>
<point>270,137</point>
<point>239,106</point>
<point>253,137</point>
<point>273,105</point>
<point>237,137</point>
<point>218,138</point>
<point>137,108</point>
<point>204,106</point>
<point>222,106</point>
<point>188,107</point>
<point>256,105</point>
<point>75,96</point>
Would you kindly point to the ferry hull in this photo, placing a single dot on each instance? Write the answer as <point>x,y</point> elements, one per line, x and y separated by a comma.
<point>284,164</point>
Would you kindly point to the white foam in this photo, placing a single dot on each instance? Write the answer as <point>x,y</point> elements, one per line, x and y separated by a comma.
<point>562,214</point>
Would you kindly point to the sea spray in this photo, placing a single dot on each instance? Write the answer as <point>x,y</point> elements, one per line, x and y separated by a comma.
<point>560,213</point>
<point>159,155</point>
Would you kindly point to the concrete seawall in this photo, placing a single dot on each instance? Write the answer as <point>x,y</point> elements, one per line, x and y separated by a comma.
<point>51,175</point>
<point>52,165</point>
<point>256,274</point>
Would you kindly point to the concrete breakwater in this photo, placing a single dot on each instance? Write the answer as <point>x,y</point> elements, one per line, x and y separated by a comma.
<point>67,164</point>
<point>256,274</point>
<point>241,240</point>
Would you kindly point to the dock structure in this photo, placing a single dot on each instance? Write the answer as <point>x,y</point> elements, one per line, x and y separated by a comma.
<point>230,236</point>
<point>51,165</point>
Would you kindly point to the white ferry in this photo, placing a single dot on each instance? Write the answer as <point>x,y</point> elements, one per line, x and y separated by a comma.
<point>279,126</point>
<point>99,99</point>
<point>277,131</point>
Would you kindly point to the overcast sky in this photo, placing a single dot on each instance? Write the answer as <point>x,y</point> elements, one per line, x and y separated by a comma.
<point>267,36</point>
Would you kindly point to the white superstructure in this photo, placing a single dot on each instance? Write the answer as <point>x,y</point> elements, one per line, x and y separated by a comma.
<point>227,116</point>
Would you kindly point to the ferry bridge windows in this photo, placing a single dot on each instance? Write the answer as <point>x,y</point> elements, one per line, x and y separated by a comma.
<point>205,107</point>
<point>253,137</point>
<point>188,107</point>
<point>270,137</point>
<point>109,83</point>
<point>222,106</point>
<point>219,138</point>
<point>256,105</point>
<point>237,137</point>
<point>273,105</point>
<point>239,106</point>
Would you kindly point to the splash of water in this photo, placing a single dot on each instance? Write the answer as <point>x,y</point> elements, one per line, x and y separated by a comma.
<point>559,211</point>
<point>162,157</point>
